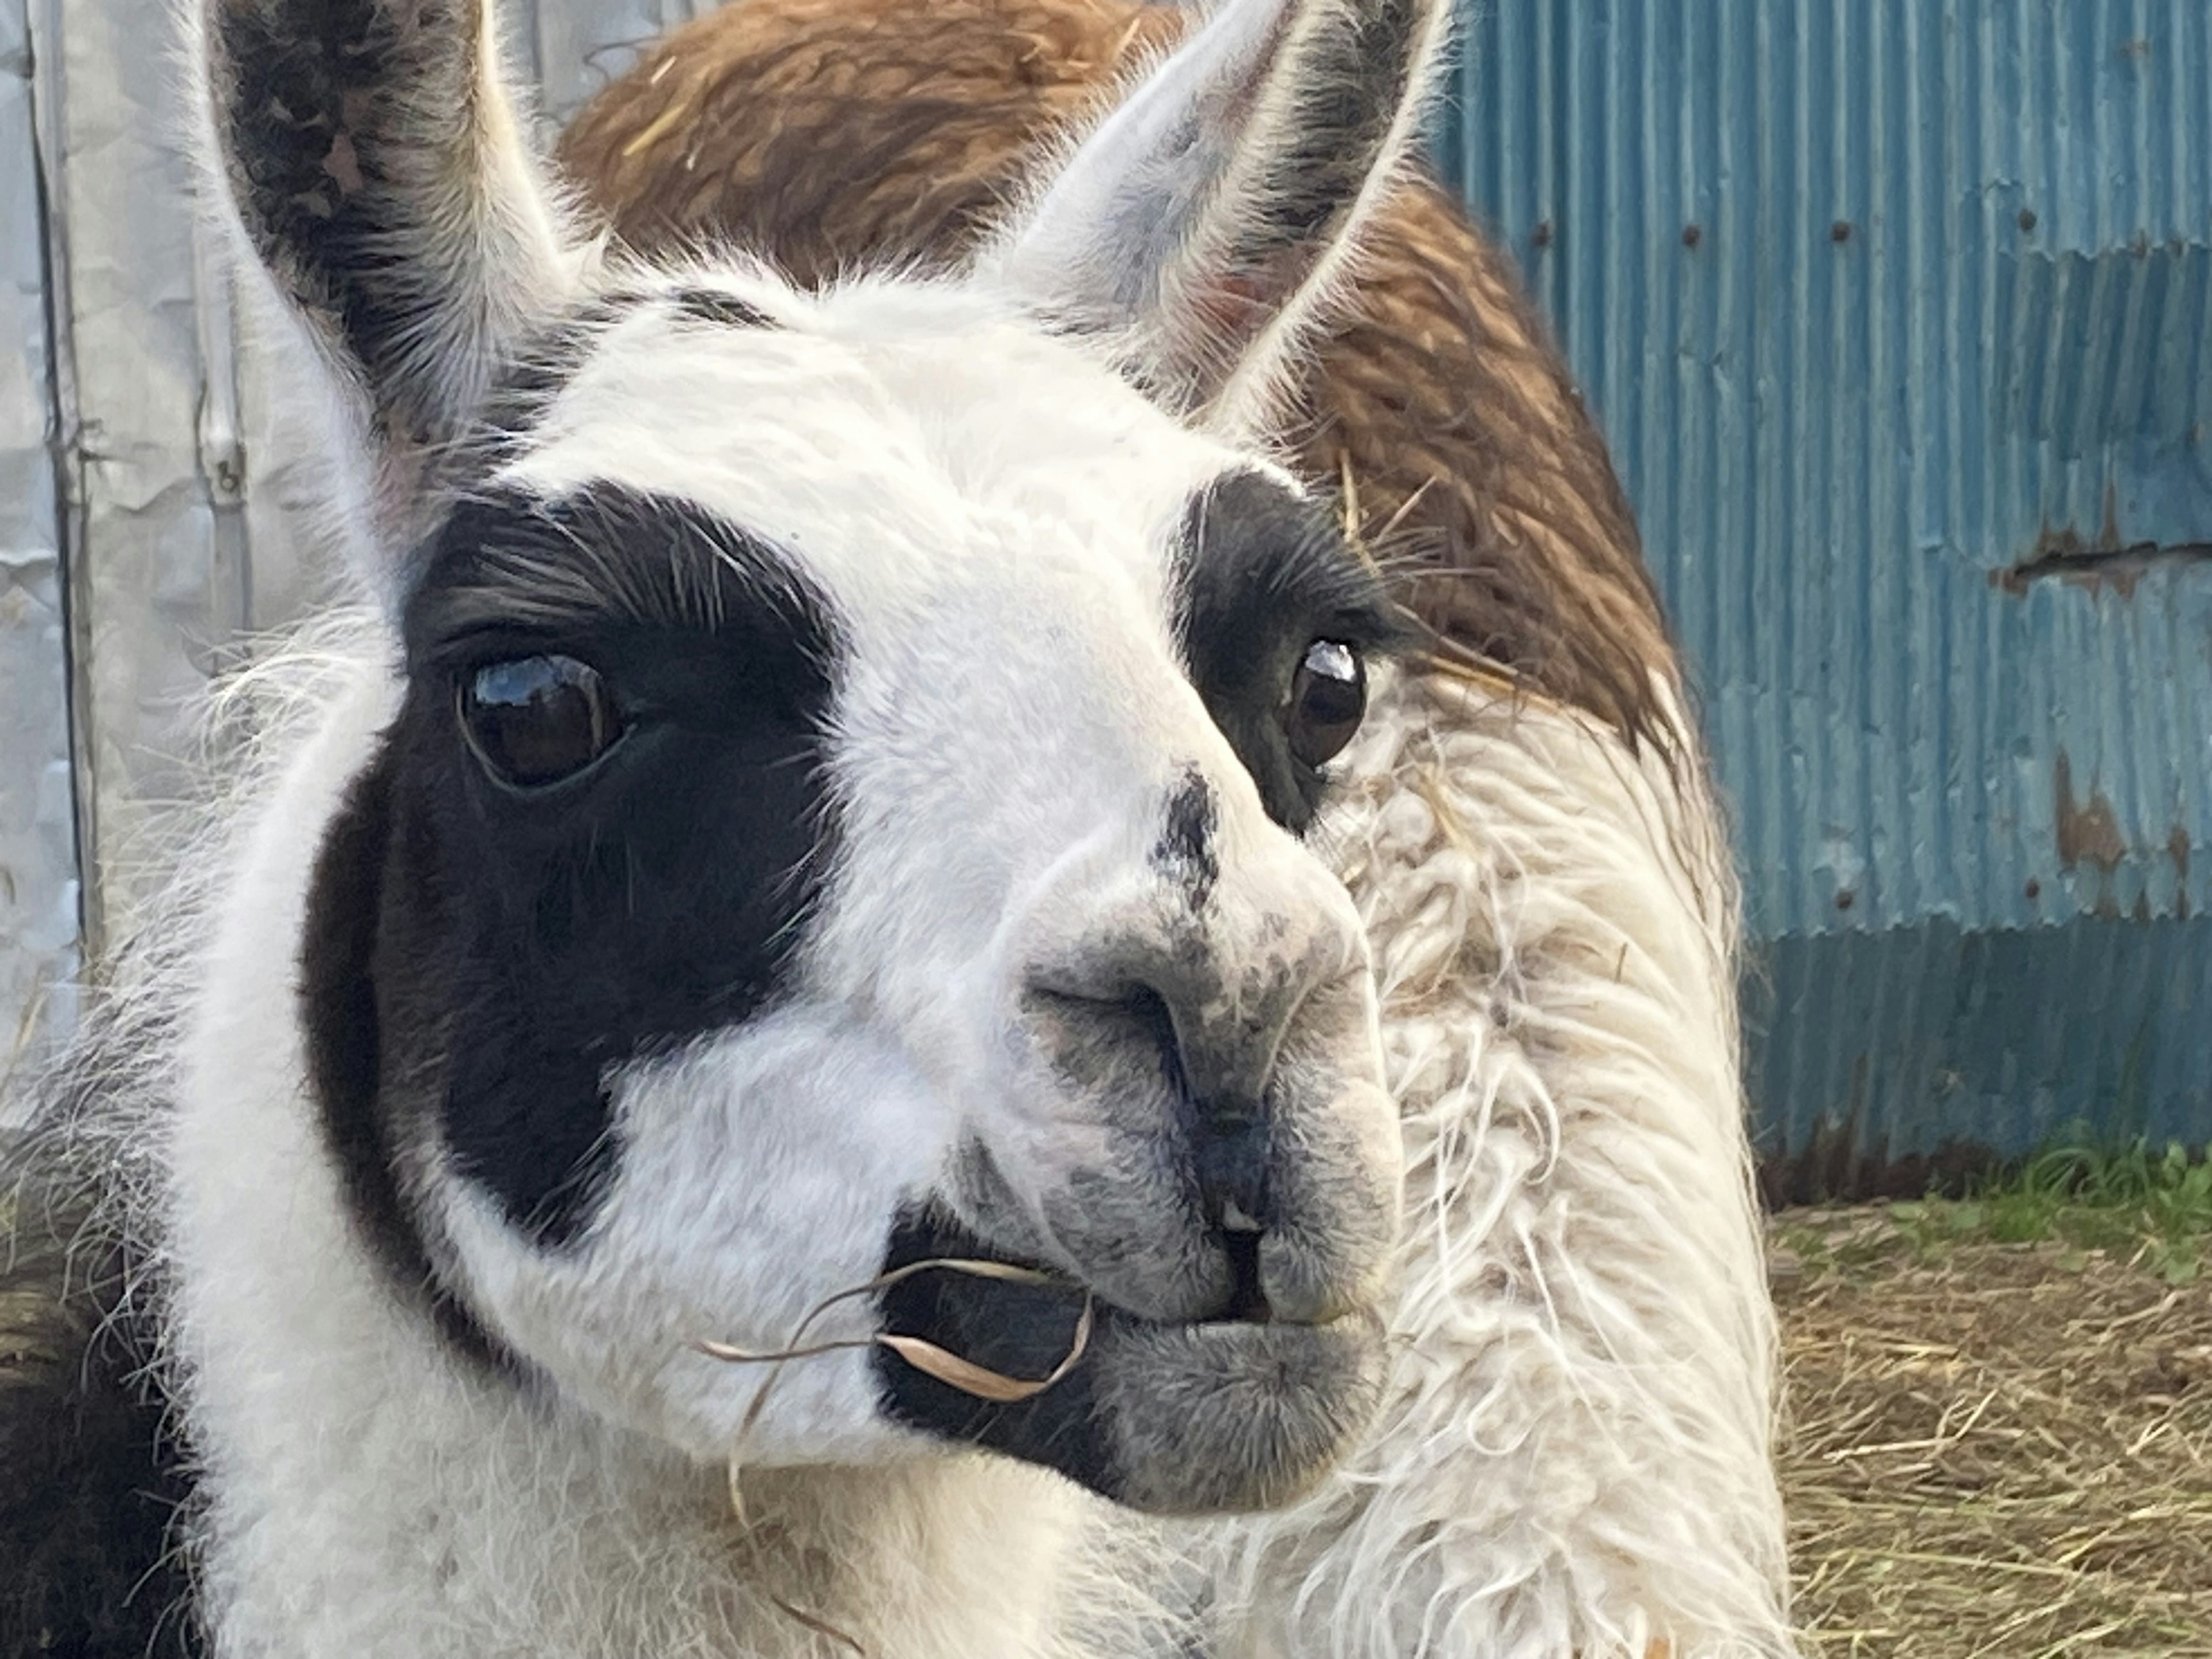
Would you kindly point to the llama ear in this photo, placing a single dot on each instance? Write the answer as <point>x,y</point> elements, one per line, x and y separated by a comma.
<point>370,153</point>
<point>1207,217</point>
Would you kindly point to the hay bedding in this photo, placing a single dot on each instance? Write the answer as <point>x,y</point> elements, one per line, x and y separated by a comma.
<point>2006,1451</point>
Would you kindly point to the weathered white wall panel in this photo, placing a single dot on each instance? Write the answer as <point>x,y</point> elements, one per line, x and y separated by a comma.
<point>37,853</point>
<point>152,599</point>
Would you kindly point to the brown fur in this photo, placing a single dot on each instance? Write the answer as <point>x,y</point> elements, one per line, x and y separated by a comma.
<point>834,135</point>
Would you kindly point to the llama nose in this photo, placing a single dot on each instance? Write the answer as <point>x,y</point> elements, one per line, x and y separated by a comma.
<point>1230,1154</point>
<point>1216,999</point>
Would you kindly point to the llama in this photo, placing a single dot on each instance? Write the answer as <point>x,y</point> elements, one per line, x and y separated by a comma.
<point>826,778</point>
<point>1585,1255</point>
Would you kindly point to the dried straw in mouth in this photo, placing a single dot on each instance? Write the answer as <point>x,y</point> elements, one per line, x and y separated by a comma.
<point>954,1370</point>
<point>984,1383</point>
<point>950,1368</point>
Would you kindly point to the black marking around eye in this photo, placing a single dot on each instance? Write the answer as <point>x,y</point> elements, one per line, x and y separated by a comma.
<point>526,947</point>
<point>1265,572</point>
<point>343,1019</point>
<point>1186,853</point>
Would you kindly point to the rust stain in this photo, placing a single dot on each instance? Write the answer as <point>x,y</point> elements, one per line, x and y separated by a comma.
<point>2096,563</point>
<point>2087,832</point>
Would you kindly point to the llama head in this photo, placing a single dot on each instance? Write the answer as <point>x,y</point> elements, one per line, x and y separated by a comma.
<point>846,800</point>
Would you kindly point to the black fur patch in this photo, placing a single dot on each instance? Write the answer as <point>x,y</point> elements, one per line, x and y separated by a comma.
<point>1020,1330</point>
<point>1185,851</point>
<point>339,119</point>
<point>527,943</point>
<point>1265,574</point>
<point>706,305</point>
<point>339,1012</point>
<point>90,1481</point>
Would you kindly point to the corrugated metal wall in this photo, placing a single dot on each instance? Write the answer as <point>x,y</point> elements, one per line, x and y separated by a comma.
<point>1899,316</point>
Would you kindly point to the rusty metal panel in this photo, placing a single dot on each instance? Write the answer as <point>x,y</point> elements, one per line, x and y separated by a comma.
<point>38,849</point>
<point>1899,316</point>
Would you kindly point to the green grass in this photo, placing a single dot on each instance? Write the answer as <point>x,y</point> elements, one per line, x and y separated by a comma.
<point>2135,1203</point>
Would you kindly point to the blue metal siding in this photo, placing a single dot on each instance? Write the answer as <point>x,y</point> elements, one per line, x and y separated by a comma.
<point>1897,314</point>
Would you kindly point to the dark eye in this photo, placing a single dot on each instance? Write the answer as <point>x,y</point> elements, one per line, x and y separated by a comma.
<point>1328,697</point>
<point>538,719</point>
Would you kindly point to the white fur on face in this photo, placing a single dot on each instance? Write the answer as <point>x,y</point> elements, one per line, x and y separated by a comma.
<point>995,522</point>
<point>757,1177</point>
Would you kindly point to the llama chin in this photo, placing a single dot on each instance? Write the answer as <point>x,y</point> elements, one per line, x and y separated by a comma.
<point>825,778</point>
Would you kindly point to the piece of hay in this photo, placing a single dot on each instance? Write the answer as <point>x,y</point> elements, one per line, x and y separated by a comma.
<point>955,1370</point>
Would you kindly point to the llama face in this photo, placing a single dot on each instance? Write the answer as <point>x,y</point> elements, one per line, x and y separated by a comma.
<point>844,808</point>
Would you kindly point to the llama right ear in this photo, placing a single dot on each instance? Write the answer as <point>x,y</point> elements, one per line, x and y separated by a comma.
<point>370,153</point>
<point>1205,221</point>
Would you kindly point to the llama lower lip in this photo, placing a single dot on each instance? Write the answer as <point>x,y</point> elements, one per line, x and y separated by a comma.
<point>1188,1417</point>
<point>1213,1418</point>
<point>1170,1416</point>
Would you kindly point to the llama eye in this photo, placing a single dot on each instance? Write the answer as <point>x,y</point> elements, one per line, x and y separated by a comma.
<point>536,721</point>
<point>1328,696</point>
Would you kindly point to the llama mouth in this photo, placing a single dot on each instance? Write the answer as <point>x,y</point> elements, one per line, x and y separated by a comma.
<point>1234,1411</point>
<point>1045,1303</point>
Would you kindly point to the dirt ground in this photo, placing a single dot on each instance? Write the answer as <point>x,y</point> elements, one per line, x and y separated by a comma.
<point>2004,1451</point>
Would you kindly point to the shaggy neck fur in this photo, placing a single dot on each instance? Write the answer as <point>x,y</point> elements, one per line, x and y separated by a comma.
<point>1574,1456</point>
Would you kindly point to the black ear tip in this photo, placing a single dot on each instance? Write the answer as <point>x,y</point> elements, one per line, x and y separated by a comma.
<point>375,171</point>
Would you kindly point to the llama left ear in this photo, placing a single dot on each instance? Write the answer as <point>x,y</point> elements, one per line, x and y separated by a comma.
<point>1207,219</point>
<point>369,151</point>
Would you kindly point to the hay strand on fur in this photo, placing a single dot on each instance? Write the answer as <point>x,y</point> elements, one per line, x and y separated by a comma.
<point>819,1625</point>
<point>984,1383</point>
<point>924,1356</point>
